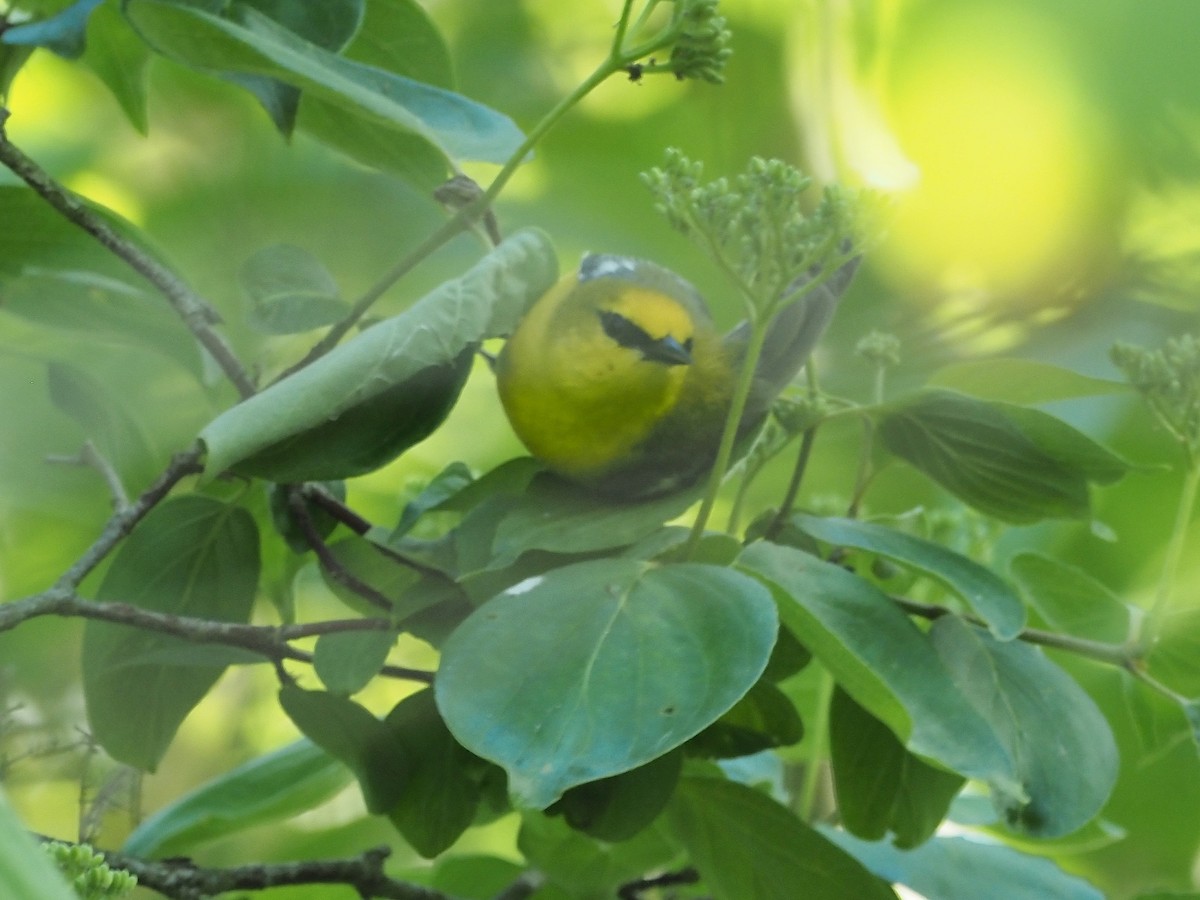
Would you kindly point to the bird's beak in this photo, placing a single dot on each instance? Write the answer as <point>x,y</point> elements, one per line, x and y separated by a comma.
<point>667,351</point>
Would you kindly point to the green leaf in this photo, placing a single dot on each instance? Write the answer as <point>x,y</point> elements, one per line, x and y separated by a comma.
<point>880,785</point>
<point>456,127</point>
<point>1175,657</point>
<point>289,291</point>
<point>954,868</point>
<point>654,653</point>
<point>1016,464</point>
<point>475,877</point>
<point>26,872</point>
<point>985,592</point>
<point>369,399</point>
<point>1024,381</point>
<point>346,661</point>
<point>617,808</point>
<point>1065,755</point>
<point>118,57</point>
<point>1070,600</point>
<point>63,33</point>
<point>351,734</point>
<point>763,719</point>
<point>746,845</point>
<point>323,522</point>
<point>399,37</point>
<point>446,484</point>
<point>587,867</point>
<point>190,556</point>
<point>440,781</point>
<point>558,517</point>
<point>881,659</point>
<point>270,788</point>
<point>329,25</point>
<point>94,309</point>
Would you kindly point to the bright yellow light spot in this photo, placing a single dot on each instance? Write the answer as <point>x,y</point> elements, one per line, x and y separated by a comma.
<point>107,193</point>
<point>1011,158</point>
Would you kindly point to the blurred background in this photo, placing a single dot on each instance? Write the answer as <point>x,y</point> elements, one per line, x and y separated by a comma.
<point>1040,160</point>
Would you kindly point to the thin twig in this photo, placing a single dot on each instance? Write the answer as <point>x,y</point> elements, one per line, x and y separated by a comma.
<point>92,458</point>
<point>1113,654</point>
<point>194,310</point>
<point>123,521</point>
<point>793,489</point>
<point>633,890</point>
<point>333,567</point>
<point>267,641</point>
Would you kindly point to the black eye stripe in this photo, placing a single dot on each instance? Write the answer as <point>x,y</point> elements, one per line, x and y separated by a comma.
<point>623,331</point>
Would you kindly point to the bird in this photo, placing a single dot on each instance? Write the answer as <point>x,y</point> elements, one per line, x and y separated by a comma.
<point>618,380</point>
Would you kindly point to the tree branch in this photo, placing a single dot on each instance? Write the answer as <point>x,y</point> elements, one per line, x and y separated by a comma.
<point>196,312</point>
<point>298,510</point>
<point>124,520</point>
<point>182,879</point>
<point>267,641</point>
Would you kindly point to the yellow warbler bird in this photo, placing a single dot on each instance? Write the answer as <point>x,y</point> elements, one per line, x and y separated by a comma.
<point>618,380</point>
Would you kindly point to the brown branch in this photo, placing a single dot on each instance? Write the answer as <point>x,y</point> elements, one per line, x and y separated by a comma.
<point>632,890</point>
<point>298,510</point>
<point>269,642</point>
<point>182,879</point>
<point>194,310</point>
<point>124,520</point>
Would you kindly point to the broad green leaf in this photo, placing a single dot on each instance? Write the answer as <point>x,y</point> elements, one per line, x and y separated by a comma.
<point>1016,464</point>
<point>351,734</point>
<point>881,659</point>
<point>458,128</point>
<point>1069,599</point>
<point>289,291</point>
<point>744,844</point>
<point>985,592</point>
<point>587,867</point>
<point>399,37</point>
<point>346,661</point>
<point>955,868</point>
<point>271,788</point>
<point>1021,381</point>
<point>118,57</point>
<point>190,556</point>
<point>559,517</point>
<point>329,25</point>
<point>369,399</point>
<point>63,33</point>
<point>26,872</point>
<point>439,780</point>
<point>1065,755</point>
<point>880,786</point>
<point>617,808</point>
<point>655,653</point>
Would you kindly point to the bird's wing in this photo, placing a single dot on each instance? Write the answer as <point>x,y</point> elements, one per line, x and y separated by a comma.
<point>792,336</point>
